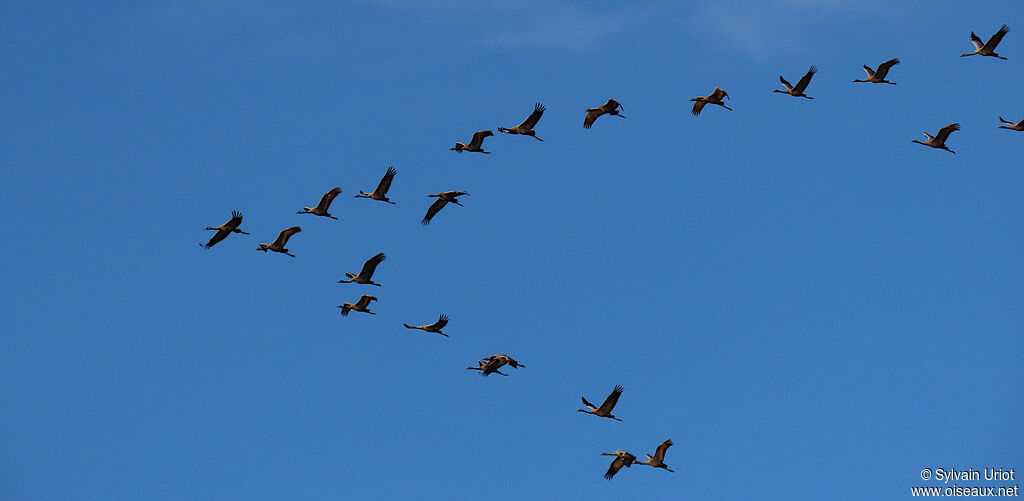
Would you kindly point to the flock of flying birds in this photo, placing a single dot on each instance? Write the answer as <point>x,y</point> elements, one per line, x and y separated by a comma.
<point>493,363</point>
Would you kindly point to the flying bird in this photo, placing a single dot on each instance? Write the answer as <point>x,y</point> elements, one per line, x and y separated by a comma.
<point>988,48</point>
<point>526,128</point>
<point>476,144</point>
<point>225,229</point>
<point>878,75</point>
<point>713,98</point>
<point>939,140</point>
<point>606,408</point>
<point>1012,126</point>
<point>365,275</point>
<point>798,90</point>
<point>610,108</point>
<point>622,458</point>
<point>282,240</point>
<point>361,305</point>
<point>434,327</point>
<point>442,199</point>
<point>658,459</point>
<point>491,364</point>
<point>381,193</point>
<point>325,203</point>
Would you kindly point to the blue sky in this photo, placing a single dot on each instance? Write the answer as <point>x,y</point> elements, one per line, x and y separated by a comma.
<point>809,305</point>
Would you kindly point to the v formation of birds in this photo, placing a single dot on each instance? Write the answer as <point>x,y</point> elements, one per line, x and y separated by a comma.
<point>493,363</point>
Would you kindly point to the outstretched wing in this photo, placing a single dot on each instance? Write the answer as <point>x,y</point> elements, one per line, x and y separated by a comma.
<point>995,39</point>
<point>659,454</point>
<point>282,238</point>
<point>592,115</point>
<point>1005,121</point>
<point>235,221</point>
<point>453,194</point>
<point>433,209</point>
<point>531,121</point>
<point>588,404</point>
<point>976,41</point>
<point>883,69</point>
<point>802,84</point>
<point>613,398</point>
<point>385,182</point>
<point>785,83</point>
<point>217,237</point>
<point>697,107</point>
<point>614,468</point>
<point>364,301</point>
<point>441,322</point>
<point>325,201</point>
<point>370,265</point>
<point>478,139</point>
<point>946,131</point>
<point>612,105</point>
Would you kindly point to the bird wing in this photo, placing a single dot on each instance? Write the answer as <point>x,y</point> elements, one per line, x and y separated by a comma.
<point>370,265</point>
<point>449,195</point>
<point>1005,121</point>
<point>364,301</point>
<point>588,404</point>
<point>995,39</point>
<point>883,69</point>
<point>441,322</point>
<point>614,468</point>
<point>613,398</point>
<point>946,131</point>
<point>627,458</point>
<point>478,139</point>
<point>235,221</point>
<point>217,237</point>
<point>592,115</point>
<point>869,71</point>
<point>802,84</point>
<point>325,201</point>
<point>697,106</point>
<point>385,182</point>
<point>282,238</point>
<point>719,93</point>
<point>612,105</point>
<point>976,41</point>
<point>531,121</point>
<point>784,82</point>
<point>659,454</point>
<point>433,209</point>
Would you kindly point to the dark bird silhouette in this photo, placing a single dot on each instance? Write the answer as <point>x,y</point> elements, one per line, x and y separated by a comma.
<point>361,305</point>
<point>606,408</point>
<point>714,98</point>
<point>610,108</point>
<point>798,90</point>
<point>442,199</point>
<point>225,229</point>
<point>658,459</point>
<point>988,48</point>
<point>476,144</point>
<point>325,203</point>
<point>365,275</point>
<point>1009,125</point>
<point>434,327</point>
<point>526,128</point>
<point>381,193</point>
<point>282,240</point>
<point>491,364</point>
<point>939,140</point>
<point>622,458</point>
<point>878,75</point>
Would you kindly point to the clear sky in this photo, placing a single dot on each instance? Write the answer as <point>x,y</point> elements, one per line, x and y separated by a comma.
<point>809,305</point>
